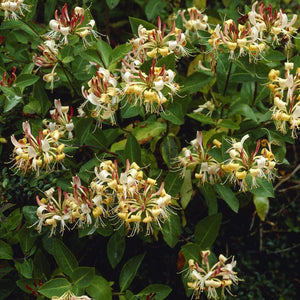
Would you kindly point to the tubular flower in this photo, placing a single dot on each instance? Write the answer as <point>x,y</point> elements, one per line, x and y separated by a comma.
<point>196,21</point>
<point>196,157</point>
<point>66,208</point>
<point>70,296</point>
<point>48,59</point>
<point>65,25</point>
<point>150,90</point>
<point>103,95</point>
<point>286,97</point>
<point>271,25</point>
<point>13,9</point>
<point>242,165</point>
<point>137,202</point>
<point>155,42</point>
<point>42,152</point>
<point>8,82</point>
<point>202,277</point>
<point>62,119</point>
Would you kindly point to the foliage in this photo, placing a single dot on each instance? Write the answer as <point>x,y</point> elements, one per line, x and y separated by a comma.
<point>131,148</point>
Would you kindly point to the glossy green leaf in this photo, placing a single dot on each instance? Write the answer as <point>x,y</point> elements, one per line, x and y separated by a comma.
<point>82,276</point>
<point>120,52</point>
<point>26,268</point>
<point>105,52</point>
<point>210,198</point>
<point>25,80</point>
<point>27,238</point>
<point>206,231</point>
<point>173,182</point>
<point>191,251</point>
<point>160,291</point>
<point>99,288</point>
<point>129,271</point>
<point>64,257</point>
<point>202,118</point>
<point>186,190</point>
<point>261,205</point>
<point>132,150</point>
<point>244,110</point>
<point>171,230</point>
<point>83,127</point>
<point>115,248</point>
<point>228,124</point>
<point>6,251</point>
<point>265,188</point>
<point>174,114</point>
<point>55,287</point>
<point>154,8</point>
<point>228,196</point>
<point>195,82</point>
<point>169,149</point>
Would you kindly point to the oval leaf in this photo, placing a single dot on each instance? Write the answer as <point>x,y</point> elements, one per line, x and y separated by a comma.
<point>55,287</point>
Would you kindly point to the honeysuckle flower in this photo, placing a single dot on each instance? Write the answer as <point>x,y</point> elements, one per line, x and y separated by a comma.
<point>241,164</point>
<point>10,80</point>
<point>151,89</point>
<point>136,202</point>
<point>272,26</point>
<point>196,157</point>
<point>48,59</point>
<point>35,153</point>
<point>64,25</point>
<point>103,94</point>
<point>70,296</point>
<point>195,21</point>
<point>13,9</point>
<point>61,119</point>
<point>203,277</point>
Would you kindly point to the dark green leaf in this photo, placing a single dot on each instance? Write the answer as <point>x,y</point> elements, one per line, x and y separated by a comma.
<point>265,188</point>
<point>49,8</point>
<point>6,251</point>
<point>228,196</point>
<point>27,238</point>
<point>202,118</point>
<point>210,198</point>
<point>25,80</point>
<point>171,230</point>
<point>105,52</point>
<point>99,288</point>
<point>83,276</point>
<point>228,124</point>
<point>160,291</point>
<point>173,183</point>
<point>195,82</point>
<point>132,150</point>
<point>83,129</point>
<point>206,231</point>
<point>135,22</point>
<point>55,287</point>
<point>244,110</point>
<point>129,270</point>
<point>169,149</point>
<point>154,8</point>
<point>119,52</point>
<point>186,190</point>
<point>174,114</point>
<point>112,3</point>
<point>115,248</point>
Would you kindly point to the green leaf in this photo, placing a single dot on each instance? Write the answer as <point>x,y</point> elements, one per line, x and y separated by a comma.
<point>202,118</point>
<point>27,238</point>
<point>26,268</point>
<point>154,8</point>
<point>112,3</point>
<point>49,9</point>
<point>132,150</point>
<point>262,206</point>
<point>55,287</point>
<point>228,196</point>
<point>265,188</point>
<point>83,129</point>
<point>25,80</point>
<point>6,251</point>
<point>228,124</point>
<point>129,270</point>
<point>274,55</point>
<point>91,55</point>
<point>173,114</point>
<point>160,291</point>
<point>82,276</point>
<point>171,230</point>
<point>148,130</point>
<point>168,62</point>
<point>40,95</point>
<point>169,149</point>
<point>186,190</point>
<point>243,109</point>
<point>33,107</point>
<point>210,198</point>
<point>64,257</point>
<point>191,251</point>
<point>105,52</point>
<point>99,288</point>
<point>96,139</point>
<point>195,82</point>
<point>135,23</point>
<point>119,52</point>
<point>173,182</point>
<point>206,231</point>
<point>115,248</point>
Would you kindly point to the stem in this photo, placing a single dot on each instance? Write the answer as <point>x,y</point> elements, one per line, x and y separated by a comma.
<point>255,93</point>
<point>227,79</point>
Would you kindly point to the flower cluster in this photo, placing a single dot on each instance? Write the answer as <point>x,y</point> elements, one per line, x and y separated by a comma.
<point>48,59</point>
<point>35,153</point>
<point>253,32</point>
<point>134,201</point>
<point>271,25</point>
<point>241,164</point>
<point>196,157</point>
<point>73,208</point>
<point>196,21</point>
<point>138,202</point>
<point>206,278</point>
<point>286,97</point>
<point>8,82</point>
<point>65,25</point>
<point>155,42</point>
<point>13,9</point>
<point>70,296</point>
<point>61,120</point>
<point>103,95</point>
<point>149,89</point>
